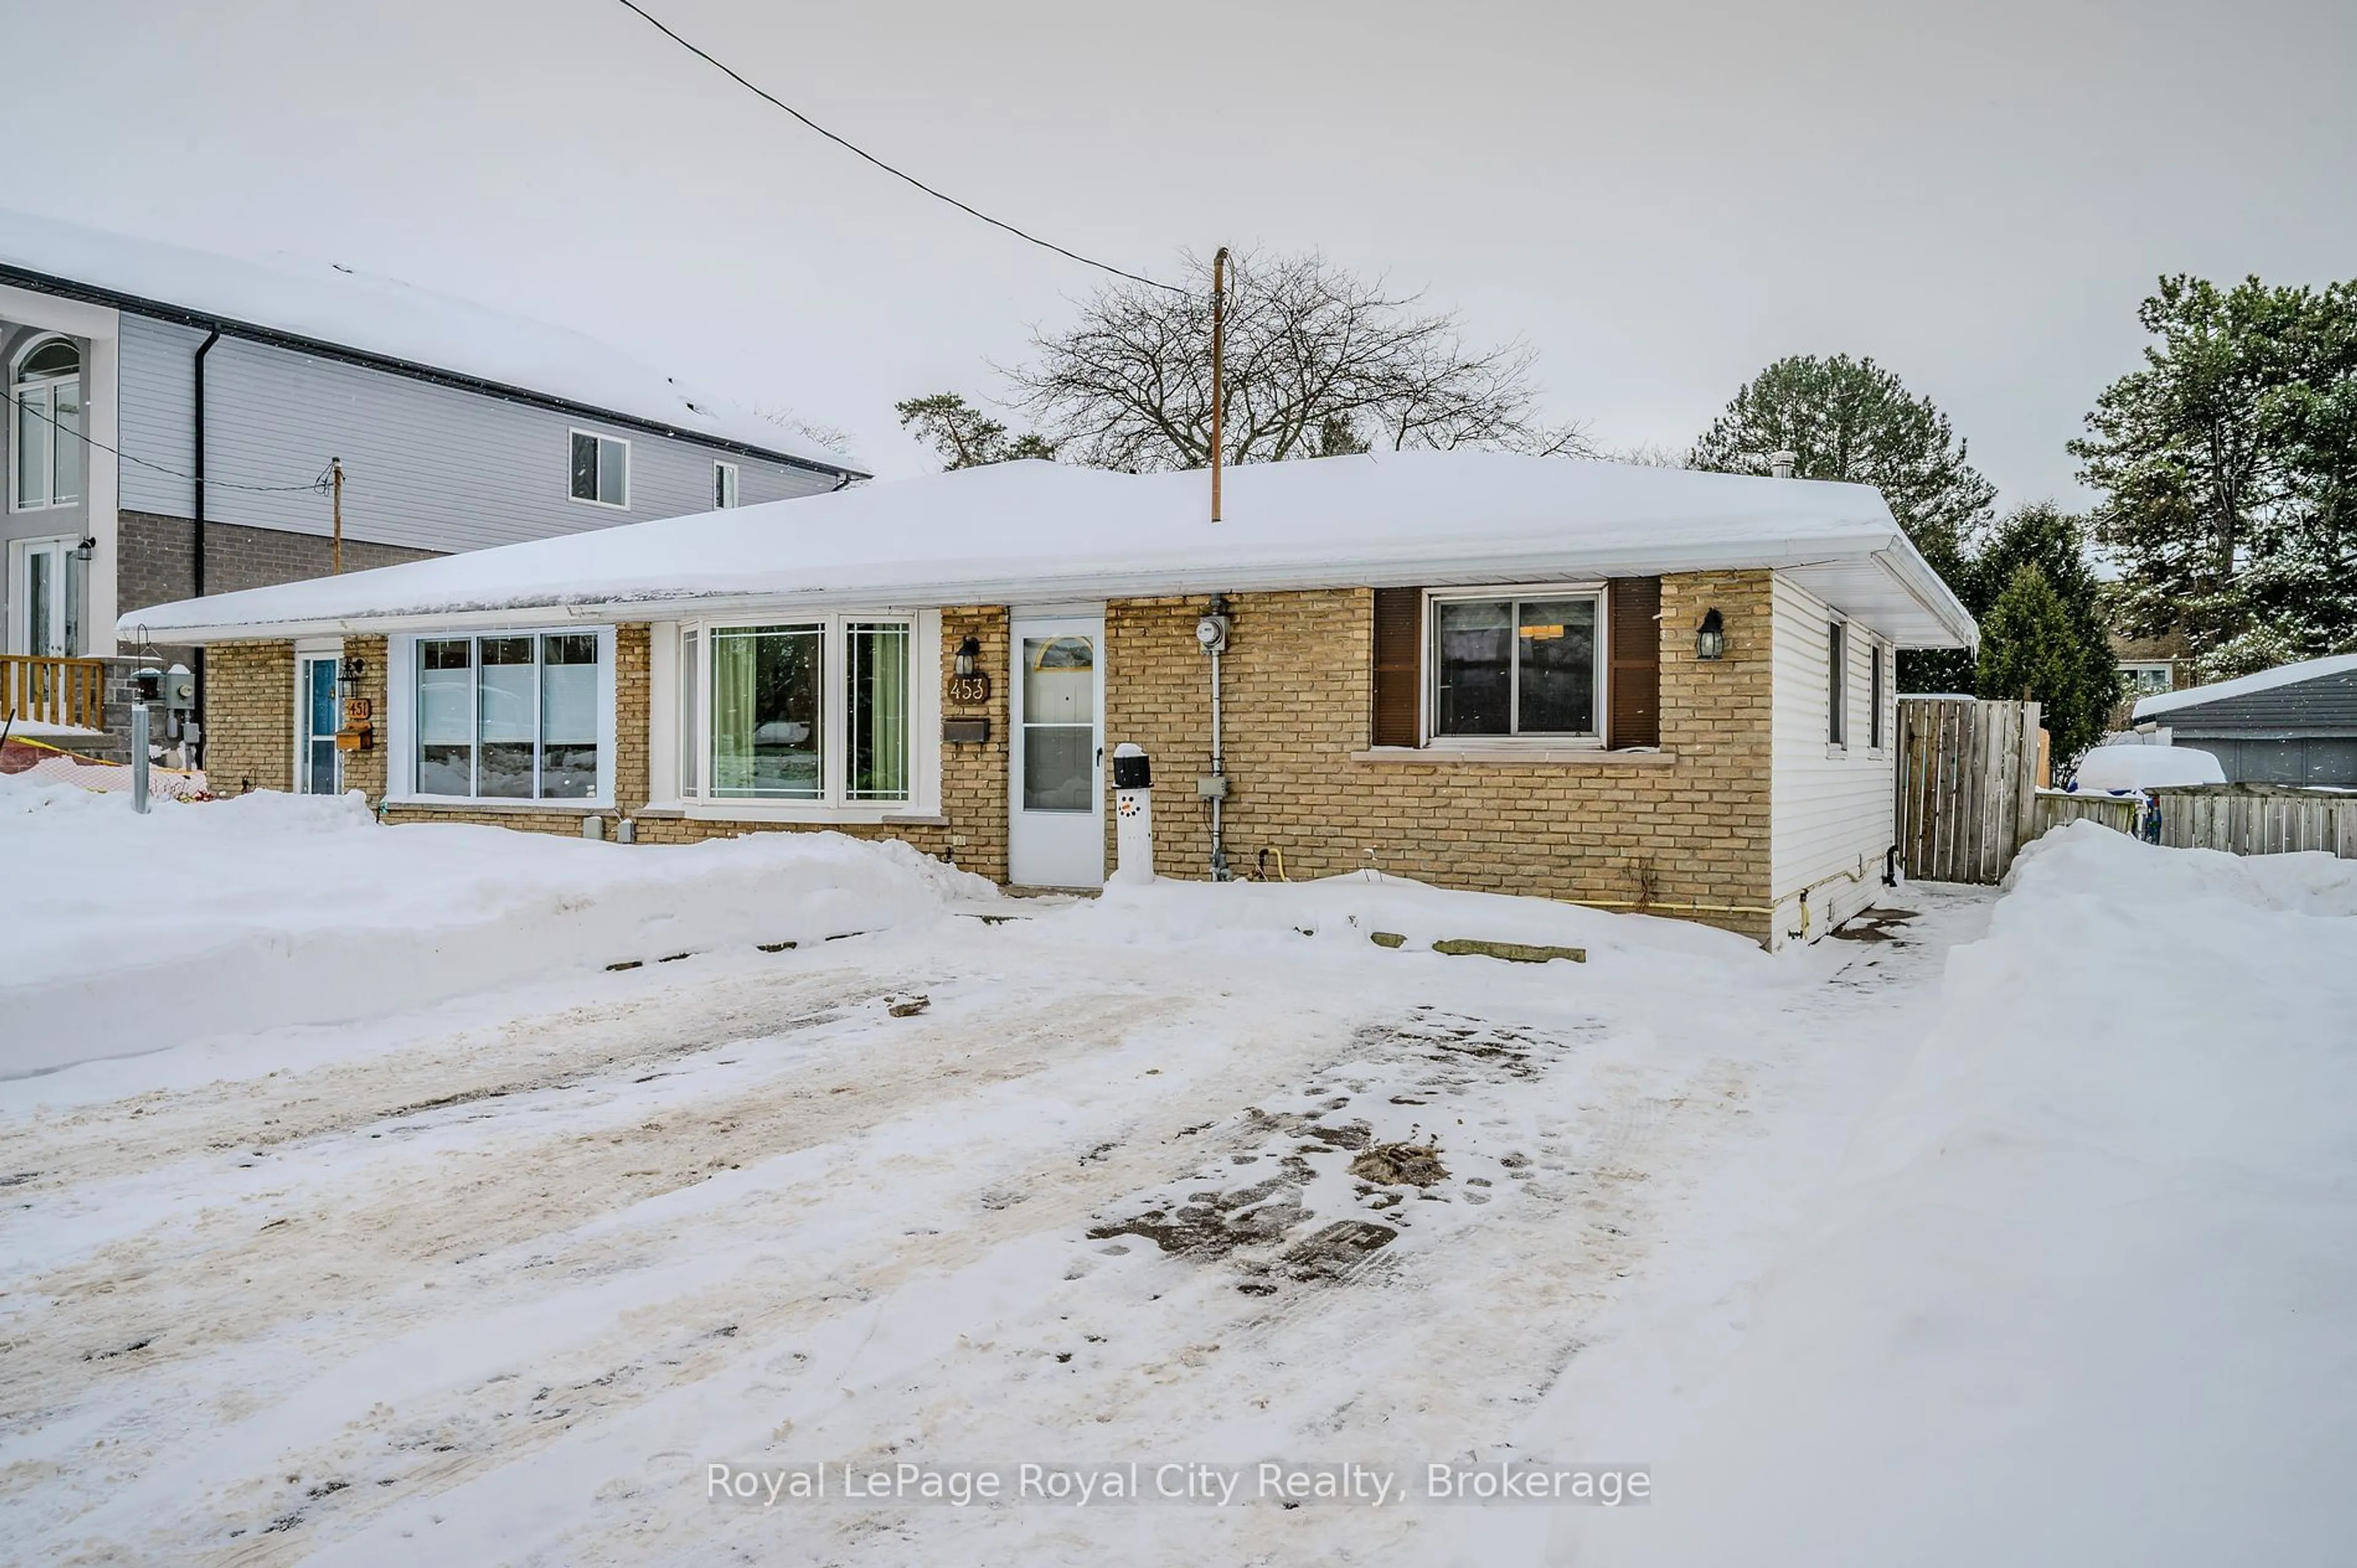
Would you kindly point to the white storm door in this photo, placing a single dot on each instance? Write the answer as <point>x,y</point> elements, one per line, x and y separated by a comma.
<point>1055,835</point>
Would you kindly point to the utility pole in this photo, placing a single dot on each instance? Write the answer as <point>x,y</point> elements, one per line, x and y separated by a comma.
<point>336,482</point>
<point>1218,349</point>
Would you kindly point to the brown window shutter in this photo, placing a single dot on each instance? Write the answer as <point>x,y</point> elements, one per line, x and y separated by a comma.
<point>1399,665</point>
<point>1633,611</point>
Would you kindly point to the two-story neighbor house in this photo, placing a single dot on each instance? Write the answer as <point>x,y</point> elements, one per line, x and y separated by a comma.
<point>170,414</point>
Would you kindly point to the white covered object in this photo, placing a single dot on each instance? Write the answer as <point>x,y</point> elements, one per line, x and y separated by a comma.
<point>2109,768</point>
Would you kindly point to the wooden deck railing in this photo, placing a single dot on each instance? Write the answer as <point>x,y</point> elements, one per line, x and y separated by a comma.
<point>53,690</point>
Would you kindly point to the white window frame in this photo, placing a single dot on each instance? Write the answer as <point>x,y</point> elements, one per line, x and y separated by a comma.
<point>2133,668</point>
<point>402,719</point>
<point>306,650</point>
<point>673,747</point>
<point>1880,678</point>
<point>1428,698</point>
<point>603,441</point>
<point>72,573</point>
<point>1837,684</point>
<point>47,387</point>
<point>727,481</point>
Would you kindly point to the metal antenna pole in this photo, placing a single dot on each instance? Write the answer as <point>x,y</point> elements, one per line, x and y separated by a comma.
<point>1219,349</point>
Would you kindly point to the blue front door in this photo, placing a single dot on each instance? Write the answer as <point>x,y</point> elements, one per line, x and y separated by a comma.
<point>321,769</point>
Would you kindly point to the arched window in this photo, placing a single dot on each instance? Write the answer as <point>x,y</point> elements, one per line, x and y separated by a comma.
<point>47,392</point>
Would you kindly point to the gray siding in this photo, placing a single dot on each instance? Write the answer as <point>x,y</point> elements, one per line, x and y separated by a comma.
<point>2301,732</point>
<point>2310,760</point>
<point>425,466</point>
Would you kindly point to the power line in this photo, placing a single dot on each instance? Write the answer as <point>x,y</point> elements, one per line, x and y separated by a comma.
<point>317,486</point>
<point>887,168</point>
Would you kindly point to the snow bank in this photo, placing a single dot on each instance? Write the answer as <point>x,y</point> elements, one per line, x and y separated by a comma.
<point>2089,1290</point>
<point>125,933</point>
<point>2108,768</point>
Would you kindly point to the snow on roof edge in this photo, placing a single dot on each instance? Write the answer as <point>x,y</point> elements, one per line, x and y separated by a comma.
<point>2242,686</point>
<point>1040,531</point>
<point>397,326</point>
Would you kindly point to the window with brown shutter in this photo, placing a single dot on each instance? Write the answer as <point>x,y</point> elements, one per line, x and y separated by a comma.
<point>1635,641</point>
<point>1399,665</point>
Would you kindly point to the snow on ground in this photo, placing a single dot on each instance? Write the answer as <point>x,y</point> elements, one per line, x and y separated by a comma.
<point>270,909</point>
<point>500,1277</point>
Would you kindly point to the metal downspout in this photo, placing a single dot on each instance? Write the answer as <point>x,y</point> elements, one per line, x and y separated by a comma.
<point>198,553</point>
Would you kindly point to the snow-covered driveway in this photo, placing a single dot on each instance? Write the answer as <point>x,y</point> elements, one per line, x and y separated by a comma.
<point>2003,1229</point>
<point>501,1280</point>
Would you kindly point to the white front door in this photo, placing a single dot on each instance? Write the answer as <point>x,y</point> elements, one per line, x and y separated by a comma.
<point>46,621</point>
<point>1055,836</point>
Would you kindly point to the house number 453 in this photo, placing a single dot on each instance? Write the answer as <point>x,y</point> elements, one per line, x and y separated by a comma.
<point>968,691</point>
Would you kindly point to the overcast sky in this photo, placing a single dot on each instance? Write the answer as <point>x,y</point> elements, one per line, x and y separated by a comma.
<point>1661,198</point>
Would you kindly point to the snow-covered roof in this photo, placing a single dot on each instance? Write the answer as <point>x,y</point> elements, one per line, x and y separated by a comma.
<point>2264,680</point>
<point>1041,533</point>
<point>336,307</point>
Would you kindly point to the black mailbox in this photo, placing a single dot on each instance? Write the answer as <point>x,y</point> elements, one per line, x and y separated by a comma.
<point>1132,772</point>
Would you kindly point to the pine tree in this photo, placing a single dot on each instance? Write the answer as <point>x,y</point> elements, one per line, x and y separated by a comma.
<point>2229,468</point>
<point>2079,682</point>
<point>2027,654</point>
<point>1852,420</point>
<point>965,436</point>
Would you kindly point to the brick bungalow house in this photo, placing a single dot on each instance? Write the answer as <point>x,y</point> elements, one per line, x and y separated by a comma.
<point>1635,688</point>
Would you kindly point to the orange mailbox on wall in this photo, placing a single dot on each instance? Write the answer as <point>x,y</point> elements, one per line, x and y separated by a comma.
<point>357,733</point>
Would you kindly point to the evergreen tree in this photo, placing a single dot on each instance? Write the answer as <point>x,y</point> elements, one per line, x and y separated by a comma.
<point>2229,468</point>
<point>965,436</point>
<point>2045,631</point>
<point>1852,420</point>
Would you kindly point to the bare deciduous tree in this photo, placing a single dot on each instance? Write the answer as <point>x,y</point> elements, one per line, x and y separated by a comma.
<point>1319,361</point>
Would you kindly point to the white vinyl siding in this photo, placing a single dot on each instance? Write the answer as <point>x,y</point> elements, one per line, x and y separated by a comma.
<point>428,466</point>
<point>1829,808</point>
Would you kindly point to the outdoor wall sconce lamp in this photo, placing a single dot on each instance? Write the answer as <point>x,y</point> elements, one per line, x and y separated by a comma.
<point>348,675</point>
<point>86,549</point>
<point>1710,641</point>
<point>969,656</point>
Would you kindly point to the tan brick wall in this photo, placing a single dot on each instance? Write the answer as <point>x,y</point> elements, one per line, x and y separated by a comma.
<point>249,716</point>
<point>365,770</point>
<point>1297,694</point>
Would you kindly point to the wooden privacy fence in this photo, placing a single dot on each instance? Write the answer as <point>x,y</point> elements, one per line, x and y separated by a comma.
<point>1967,781</point>
<point>2055,807</point>
<point>2258,819</point>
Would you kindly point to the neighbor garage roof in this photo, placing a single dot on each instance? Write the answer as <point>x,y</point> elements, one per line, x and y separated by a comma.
<point>2228,691</point>
<point>1041,532</point>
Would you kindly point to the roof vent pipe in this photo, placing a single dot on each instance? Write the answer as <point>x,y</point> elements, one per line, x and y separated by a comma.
<point>1779,463</point>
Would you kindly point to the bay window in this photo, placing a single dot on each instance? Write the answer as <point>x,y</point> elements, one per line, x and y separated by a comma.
<point>510,716</point>
<point>818,712</point>
<point>1516,664</point>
